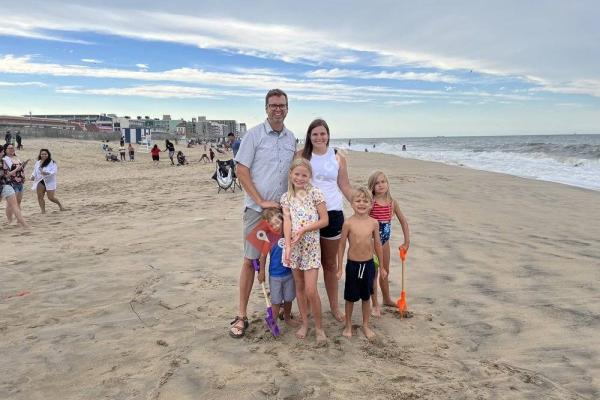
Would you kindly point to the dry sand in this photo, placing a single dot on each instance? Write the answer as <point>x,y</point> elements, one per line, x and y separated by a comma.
<point>132,289</point>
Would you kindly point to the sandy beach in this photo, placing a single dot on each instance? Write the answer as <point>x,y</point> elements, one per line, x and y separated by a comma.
<point>129,293</point>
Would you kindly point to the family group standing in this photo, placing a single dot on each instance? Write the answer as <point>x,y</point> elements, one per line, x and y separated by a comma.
<point>309,187</point>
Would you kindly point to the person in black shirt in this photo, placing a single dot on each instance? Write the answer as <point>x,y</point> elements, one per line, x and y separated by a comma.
<point>171,148</point>
<point>18,139</point>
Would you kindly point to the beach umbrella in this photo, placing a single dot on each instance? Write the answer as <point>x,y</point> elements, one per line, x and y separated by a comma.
<point>269,319</point>
<point>401,302</point>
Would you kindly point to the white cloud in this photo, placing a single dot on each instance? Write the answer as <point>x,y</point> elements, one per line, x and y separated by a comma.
<point>16,84</point>
<point>142,66</point>
<point>403,103</point>
<point>248,80</point>
<point>581,86</point>
<point>91,61</point>
<point>25,30</point>
<point>575,105</point>
<point>152,91</point>
<point>26,65</point>
<point>402,76</point>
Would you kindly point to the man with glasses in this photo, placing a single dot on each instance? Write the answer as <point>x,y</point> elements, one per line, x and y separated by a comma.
<point>263,163</point>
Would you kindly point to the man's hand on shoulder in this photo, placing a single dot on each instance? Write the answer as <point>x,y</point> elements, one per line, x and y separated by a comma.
<point>268,204</point>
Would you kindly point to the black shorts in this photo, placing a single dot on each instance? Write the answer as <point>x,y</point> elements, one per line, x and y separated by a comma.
<point>155,158</point>
<point>359,280</point>
<point>334,229</point>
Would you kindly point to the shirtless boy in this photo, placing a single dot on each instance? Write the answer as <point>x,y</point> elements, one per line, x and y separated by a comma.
<point>362,233</point>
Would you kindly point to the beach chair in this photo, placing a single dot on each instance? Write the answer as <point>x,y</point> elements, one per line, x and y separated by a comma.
<point>225,176</point>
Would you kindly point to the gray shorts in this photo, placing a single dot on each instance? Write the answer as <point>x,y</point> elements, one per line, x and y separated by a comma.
<point>251,219</point>
<point>282,289</point>
<point>7,191</point>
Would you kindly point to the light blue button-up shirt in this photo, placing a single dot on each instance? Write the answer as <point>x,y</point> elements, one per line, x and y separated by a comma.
<point>268,155</point>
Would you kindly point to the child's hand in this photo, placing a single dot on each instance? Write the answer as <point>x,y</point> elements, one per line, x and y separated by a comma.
<point>383,273</point>
<point>261,276</point>
<point>339,273</point>
<point>297,236</point>
<point>405,245</point>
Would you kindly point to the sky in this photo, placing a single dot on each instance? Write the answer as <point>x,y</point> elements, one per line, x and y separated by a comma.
<point>371,69</point>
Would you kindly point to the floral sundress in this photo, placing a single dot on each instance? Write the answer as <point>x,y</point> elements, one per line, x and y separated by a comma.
<point>306,253</point>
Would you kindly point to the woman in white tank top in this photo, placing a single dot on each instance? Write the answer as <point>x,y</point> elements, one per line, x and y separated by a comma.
<point>330,174</point>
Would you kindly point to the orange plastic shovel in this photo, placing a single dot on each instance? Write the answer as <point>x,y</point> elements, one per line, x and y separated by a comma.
<point>401,302</point>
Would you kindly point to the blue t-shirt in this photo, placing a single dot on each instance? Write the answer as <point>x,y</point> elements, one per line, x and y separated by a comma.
<point>276,267</point>
<point>235,147</point>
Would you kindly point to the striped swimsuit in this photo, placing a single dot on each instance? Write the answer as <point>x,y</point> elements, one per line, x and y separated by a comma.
<point>383,215</point>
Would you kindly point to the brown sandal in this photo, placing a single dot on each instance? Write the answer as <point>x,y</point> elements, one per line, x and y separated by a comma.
<point>242,330</point>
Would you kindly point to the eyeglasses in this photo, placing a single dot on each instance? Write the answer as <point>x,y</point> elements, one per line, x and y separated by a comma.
<point>276,106</point>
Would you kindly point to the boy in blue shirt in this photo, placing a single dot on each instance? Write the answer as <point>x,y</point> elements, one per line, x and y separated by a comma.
<point>281,280</point>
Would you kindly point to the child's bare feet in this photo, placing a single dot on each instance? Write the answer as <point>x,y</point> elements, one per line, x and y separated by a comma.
<point>368,332</point>
<point>292,322</point>
<point>301,333</point>
<point>389,303</point>
<point>321,338</point>
<point>376,311</point>
<point>347,332</point>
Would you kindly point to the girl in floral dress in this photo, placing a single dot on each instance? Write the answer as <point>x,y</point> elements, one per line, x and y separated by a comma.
<point>304,213</point>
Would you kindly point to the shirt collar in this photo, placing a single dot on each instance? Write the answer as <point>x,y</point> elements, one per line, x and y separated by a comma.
<point>268,129</point>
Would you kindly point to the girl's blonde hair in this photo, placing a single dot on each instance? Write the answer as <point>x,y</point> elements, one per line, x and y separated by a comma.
<point>371,184</point>
<point>298,162</point>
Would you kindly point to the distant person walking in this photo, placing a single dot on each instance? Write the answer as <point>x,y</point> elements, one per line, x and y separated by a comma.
<point>233,143</point>
<point>19,141</point>
<point>212,154</point>
<point>14,172</point>
<point>44,179</point>
<point>122,152</point>
<point>131,151</point>
<point>155,153</point>
<point>7,137</point>
<point>7,192</point>
<point>171,149</point>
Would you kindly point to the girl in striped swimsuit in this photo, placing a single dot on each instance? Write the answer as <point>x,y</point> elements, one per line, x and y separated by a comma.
<point>384,207</point>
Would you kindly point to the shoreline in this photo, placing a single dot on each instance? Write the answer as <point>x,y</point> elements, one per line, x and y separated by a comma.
<point>555,158</point>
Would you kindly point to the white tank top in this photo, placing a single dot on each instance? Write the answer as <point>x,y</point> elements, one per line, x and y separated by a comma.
<point>325,173</point>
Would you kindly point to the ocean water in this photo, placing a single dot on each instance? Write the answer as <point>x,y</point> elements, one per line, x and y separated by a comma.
<point>569,159</point>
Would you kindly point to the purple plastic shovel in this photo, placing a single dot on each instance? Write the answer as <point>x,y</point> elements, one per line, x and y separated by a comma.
<point>269,319</point>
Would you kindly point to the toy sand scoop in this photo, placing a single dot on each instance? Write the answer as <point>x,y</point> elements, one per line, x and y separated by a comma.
<point>401,302</point>
<point>269,319</point>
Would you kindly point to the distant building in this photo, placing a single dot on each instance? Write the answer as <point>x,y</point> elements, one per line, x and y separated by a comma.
<point>181,128</point>
<point>7,121</point>
<point>202,130</point>
<point>91,122</point>
<point>230,125</point>
<point>242,129</point>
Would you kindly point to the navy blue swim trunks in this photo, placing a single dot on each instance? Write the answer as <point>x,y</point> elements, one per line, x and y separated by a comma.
<point>359,280</point>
